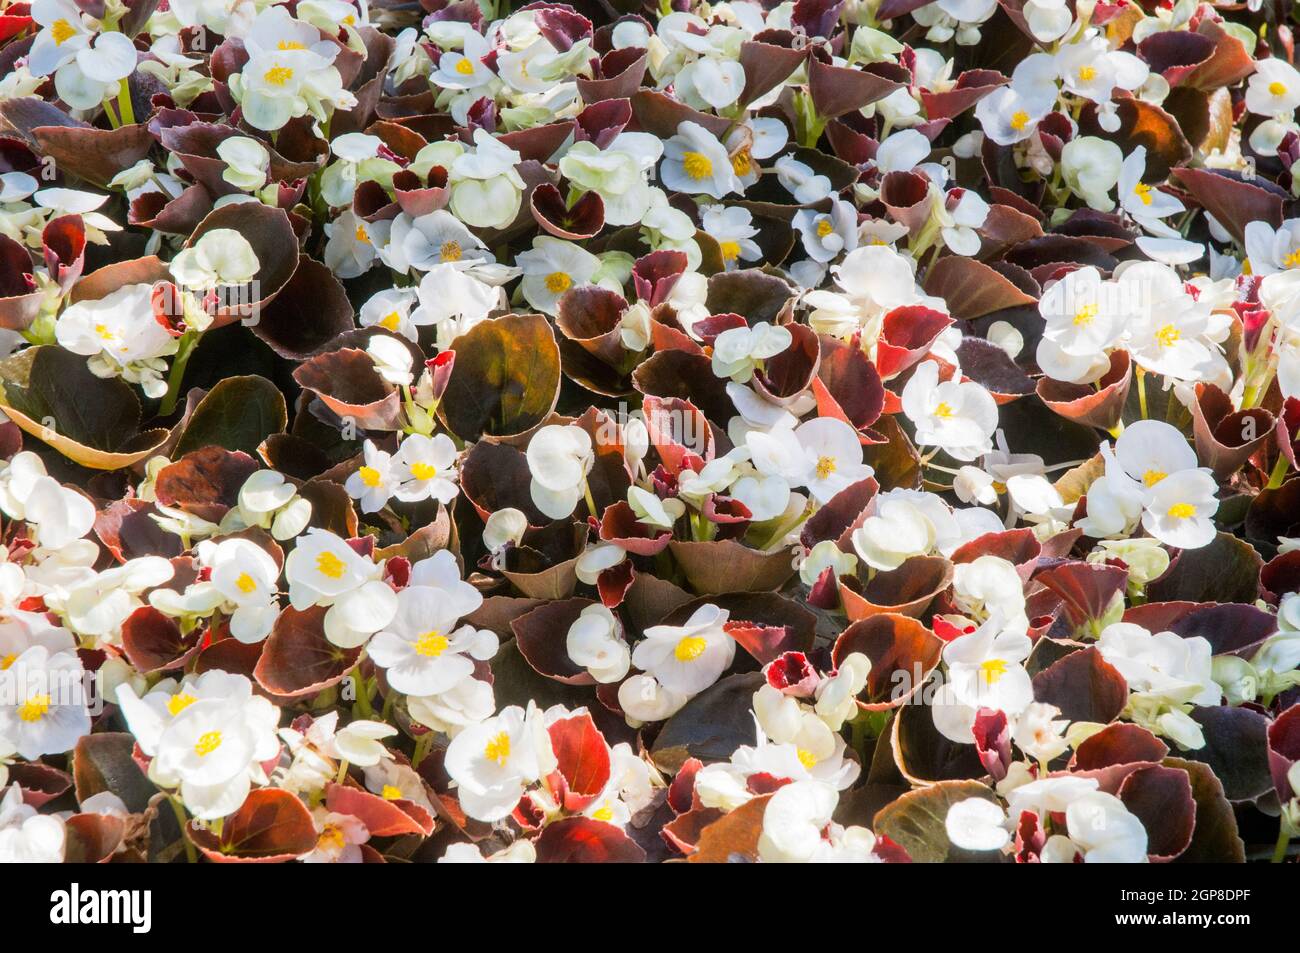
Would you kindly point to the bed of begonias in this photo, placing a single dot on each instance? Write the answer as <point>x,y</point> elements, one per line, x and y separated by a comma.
<point>831,430</point>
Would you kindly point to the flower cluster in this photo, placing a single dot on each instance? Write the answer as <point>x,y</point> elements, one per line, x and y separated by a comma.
<point>715,431</point>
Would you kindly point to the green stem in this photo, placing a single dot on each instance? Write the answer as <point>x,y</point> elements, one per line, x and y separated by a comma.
<point>1142,391</point>
<point>124,108</point>
<point>1283,841</point>
<point>188,341</point>
<point>183,822</point>
<point>1279,472</point>
<point>342,772</point>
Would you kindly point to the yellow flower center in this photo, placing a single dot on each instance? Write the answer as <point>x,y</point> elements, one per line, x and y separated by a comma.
<point>431,644</point>
<point>105,333</point>
<point>1168,336</point>
<point>179,702</point>
<point>450,251</point>
<point>730,250</point>
<point>370,476</point>
<point>290,45</point>
<point>331,836</point>
<point>390,793</point>
<point>62,31</point>
<point>557,282</point>
<point>992,669</point>
<point>391,321</point>
<point>943,410</point>
<point>1152,477</point>
<point>742,163</point>
<point>1275,88</point>
<point>246,583</point>
<point>690,648</point>
<point>7,661</point>
<point>1087,74</point>
<point>697,165</point>
<point>327,564</point>
<point>825,467</point>
<point>1019,119</point>
<point>34,709</point>
<point>361,234</point>
<point>1143,192</point>
<point>1182,511</point>
<point>807,759</point>
<point>498,749</point>
<point>605,814</point>
<point>465,67</point>
<point>278,75</point>
<point>1292,260</point>
<point>824,228</point>
<point>1085,315</point>
<point>423,471</point>
<point>208,742</point>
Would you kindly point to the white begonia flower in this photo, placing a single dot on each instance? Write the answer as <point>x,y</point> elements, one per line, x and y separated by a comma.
<point>242,584</point>
<point>957,416</point>
<point>96,71</point>
<point>27,837</point>
<point>62,36</point>
<point>372,483</point>
<point>733,229</point>
<point>422,649</point>
<point>990,585</point>
<point>837,695</point>
<point>977,823</point>
<point>595,559</point>
<point>551,267</point>
<point>595,642</point>
<point>360,742</point>
<point>1161,664</point>
<point>1084,320</point>
<point>466,703</point>
<point>1146,204</point>
<point>826,235</point>
<point>453,301</point>
<point>504,527</point>
<point>872,280</point>
<point>45,708</point>
<point>985,670</point>
<point>559,459</point>
<point>959,225</point>
<point>737,352</point>
<point>902,152</point>
<point>493,762</point>
<point>1040,734</point>
<point>268,500</point>
<point>486,189</point>
<point>696,163</point>
<point>57,515</point>
<point>392,359</point>
<point>390,309</point>
<point>897,531</point>
<point>120,336</point>
<point>1105,830</point>
<point>1011,114</point>
<point>688,658</point>
<point>797,828</point>
<point>324,570</point>
<point>616,173</point>
<point>289,73</point>
<point>799,179</point>
<point>437,238</point>
<point>359,160</point>
<point>213,747</point>
<point>833,455</point>
<point>1273,89</point>
<point>247,162</point>
<point>826,555</point>
<point>425,468</point>
<point>1091,168</point>
<point>221,257</point>
<point>464,68</point>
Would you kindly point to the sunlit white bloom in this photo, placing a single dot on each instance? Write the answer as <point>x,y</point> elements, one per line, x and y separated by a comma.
<point>594,641</point>
<point>324,570</point>
<point>559,459</point>
<point>492,762</point>
<point>695,162</point>
<point>687,658</point>
<point>957,416</point>
<point>121,336</point>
